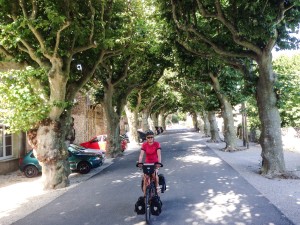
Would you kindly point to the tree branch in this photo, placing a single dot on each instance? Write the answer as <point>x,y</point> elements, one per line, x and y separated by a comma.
<point>6,53</point>
<point>200,36</point>
<point>193,51</point>
<point>92,19</point>
<point>31,52</point>
<point>34,31</point>
<point>83,48</point>
<point>75,86</point>
<point>34,9</point>
<point>236,37</point>
<point>64,26</point>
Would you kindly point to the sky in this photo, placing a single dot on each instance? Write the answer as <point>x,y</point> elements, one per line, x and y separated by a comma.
<point>287,52</point>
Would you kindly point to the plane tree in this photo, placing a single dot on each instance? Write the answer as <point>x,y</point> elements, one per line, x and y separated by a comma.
<point>203,94</point>
<point>242,29</point>
<point>118,77</point>
<point>137,67</point>
<point>208,69</point>
<point>65,41</point>
<point>287,85</point>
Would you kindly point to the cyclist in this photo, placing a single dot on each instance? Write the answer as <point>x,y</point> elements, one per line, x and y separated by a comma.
<point>152,150</point>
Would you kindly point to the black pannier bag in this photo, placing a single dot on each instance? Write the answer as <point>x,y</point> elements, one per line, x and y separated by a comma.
<point>155,205</point>
<point>162,182</point>
<point>140,206</point>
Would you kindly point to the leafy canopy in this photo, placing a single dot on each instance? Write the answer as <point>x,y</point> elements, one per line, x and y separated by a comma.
<point>23,103</point>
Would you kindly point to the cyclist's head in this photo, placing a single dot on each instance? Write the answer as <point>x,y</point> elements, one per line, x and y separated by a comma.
<point>149,134</point>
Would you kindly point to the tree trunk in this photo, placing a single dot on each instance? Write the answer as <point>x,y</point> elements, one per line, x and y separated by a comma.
<point>195,121</point>
<point>52,154</point>
<point>132,117</point>
<point>154,118</point>
<point>163,121</point>
<point>226,107</point>
<point>145,124</point>
<point>206,125</point>
<point>244,126</point>
<point>229,131</point>
<point>270,139</point>
<point>113,143</point>
<point>215,137</point>
<point>200,123</point>
<point>48,139</point>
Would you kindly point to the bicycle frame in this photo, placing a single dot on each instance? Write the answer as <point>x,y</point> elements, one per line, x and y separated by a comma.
<point>151,191</point>
<point>149,169</point>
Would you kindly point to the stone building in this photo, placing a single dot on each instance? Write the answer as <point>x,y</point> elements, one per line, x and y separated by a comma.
<point>89,119</point>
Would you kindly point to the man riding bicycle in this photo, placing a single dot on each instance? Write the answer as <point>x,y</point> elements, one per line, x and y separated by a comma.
<point>152,150</point>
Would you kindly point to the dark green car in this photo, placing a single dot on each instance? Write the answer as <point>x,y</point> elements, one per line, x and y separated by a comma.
<point>79,160</point>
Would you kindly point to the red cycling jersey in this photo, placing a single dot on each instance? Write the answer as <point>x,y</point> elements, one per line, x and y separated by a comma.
<point>151,151</point>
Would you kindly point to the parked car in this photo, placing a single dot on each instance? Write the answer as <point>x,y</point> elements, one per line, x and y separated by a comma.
<point>99,142</point>
<point>79,160</point>
<point>74,147</point>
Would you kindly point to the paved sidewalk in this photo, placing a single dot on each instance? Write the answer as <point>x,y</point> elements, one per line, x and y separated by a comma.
<point>284,194</point>
<point>23,196</point>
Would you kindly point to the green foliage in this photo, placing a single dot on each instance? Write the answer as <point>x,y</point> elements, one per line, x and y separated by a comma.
<point>253,121</point>
<point>287,89</point>
<point>22,105</point>
<point>144,53</point>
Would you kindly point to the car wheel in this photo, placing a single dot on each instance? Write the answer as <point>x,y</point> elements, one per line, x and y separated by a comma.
<point>84,167</point>
<point>31,171</point>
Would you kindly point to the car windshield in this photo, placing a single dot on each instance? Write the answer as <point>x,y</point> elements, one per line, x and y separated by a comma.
<point>75,148</point>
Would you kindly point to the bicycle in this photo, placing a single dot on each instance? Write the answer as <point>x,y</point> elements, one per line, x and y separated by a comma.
<point>151,191</point>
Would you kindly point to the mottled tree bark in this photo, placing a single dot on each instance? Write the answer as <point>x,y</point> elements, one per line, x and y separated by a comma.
<point>145,115</point>
<point>201,123</point>
<point>215,137</point>
<point>52,154</point>
<point>163,121</point>
<point>132,117</point>
<point>226,107</point>
<point>206,125</point>
<point>113,116</point>
<point>195,121</point>
<point>270,139</point>
<point>154,119</point>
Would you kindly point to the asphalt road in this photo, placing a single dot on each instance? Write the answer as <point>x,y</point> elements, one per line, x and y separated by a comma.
<point>202,189</point>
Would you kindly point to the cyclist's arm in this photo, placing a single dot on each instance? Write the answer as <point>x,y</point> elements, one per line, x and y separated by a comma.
<point>141,155</point>
<point>159,155</point>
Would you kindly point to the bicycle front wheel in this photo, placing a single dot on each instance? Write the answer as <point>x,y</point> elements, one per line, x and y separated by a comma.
<point>147,205</point>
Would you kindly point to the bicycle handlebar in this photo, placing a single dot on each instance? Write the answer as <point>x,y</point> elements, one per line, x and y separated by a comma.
<point>141,164</point>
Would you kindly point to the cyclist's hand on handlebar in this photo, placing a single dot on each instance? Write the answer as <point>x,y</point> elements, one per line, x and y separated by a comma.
<point>138,164</point>
<point>158,165</point>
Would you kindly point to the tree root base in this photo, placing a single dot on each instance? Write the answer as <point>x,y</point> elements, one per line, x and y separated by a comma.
<point>230,149</point>
<point>205,136</point>
<point>214,141</point>
<point>285,176</point>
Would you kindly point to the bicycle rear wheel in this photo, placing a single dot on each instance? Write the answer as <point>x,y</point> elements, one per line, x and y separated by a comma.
<point>147,205</point>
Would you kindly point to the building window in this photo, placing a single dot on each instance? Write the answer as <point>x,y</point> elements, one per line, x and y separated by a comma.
<point>5,143</point>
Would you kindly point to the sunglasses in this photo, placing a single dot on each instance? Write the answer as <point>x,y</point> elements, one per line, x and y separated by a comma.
<point>149,137</point>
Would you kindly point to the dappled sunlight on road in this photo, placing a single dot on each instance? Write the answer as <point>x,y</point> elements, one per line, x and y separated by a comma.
<point>133,175</point>
<point>199,159</point>
<point>218,206</point>
<point>117,181</point>
<point>183,138</point>
<point>128,178</point>
<point>197,156</point>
